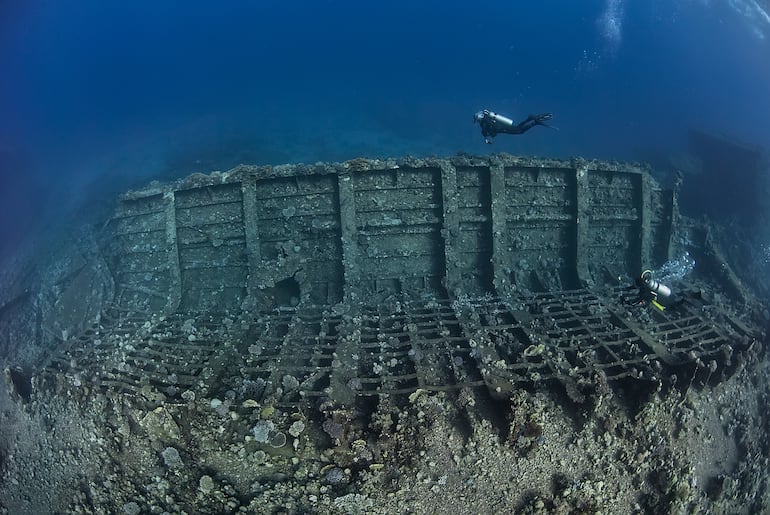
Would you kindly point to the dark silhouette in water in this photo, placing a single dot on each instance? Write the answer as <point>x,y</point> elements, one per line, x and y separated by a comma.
<point>493,124</point>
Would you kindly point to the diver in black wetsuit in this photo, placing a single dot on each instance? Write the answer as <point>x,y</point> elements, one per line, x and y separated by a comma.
<point>654,292</point>
<point>493,124</point>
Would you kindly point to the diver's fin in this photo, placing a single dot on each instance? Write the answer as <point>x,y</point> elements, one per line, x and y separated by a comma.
<point>541,118</point>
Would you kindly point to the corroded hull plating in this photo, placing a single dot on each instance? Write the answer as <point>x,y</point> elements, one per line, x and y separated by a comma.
<point>366,227</point>
<point>373,335</point>
<point>371,278</point>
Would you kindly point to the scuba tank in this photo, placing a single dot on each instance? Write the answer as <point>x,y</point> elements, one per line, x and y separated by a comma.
<point>502,120</point>
<point>656,287</point>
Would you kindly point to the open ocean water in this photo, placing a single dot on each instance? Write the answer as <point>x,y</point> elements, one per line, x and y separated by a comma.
<point>98,96</point>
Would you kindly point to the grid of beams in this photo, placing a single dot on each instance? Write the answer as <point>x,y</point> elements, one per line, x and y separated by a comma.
<point>574,338</point>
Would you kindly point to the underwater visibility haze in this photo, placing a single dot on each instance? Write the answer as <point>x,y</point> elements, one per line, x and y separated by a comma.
<point>385,257</point>
<point>99,95</point>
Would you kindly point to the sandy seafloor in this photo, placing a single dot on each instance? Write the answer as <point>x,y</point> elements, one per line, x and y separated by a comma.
<point>624,80</point>
<point>704,452</point>
<point>699,445</point>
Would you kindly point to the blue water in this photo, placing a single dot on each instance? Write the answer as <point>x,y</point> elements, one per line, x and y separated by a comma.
<point>101,95</point>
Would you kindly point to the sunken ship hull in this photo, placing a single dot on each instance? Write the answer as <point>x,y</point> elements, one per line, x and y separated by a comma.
<point>295,335</point>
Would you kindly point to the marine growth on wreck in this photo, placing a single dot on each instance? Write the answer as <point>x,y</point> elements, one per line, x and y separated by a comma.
<point>388,336</point>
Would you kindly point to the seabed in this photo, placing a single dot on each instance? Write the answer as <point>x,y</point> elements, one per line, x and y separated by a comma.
<point>443,335</point>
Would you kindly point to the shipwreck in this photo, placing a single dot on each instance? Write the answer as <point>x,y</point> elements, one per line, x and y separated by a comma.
<point>376,278</point>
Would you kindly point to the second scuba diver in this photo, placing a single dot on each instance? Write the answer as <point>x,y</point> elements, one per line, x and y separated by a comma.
<point>654,292</point>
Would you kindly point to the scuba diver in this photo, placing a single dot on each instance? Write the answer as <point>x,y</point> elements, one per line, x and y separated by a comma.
<point>493,124</point>
<point>654,292</point>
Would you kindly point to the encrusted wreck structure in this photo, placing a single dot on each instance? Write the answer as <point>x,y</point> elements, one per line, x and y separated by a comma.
<point>311,306</point>
<point>372,278</point>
